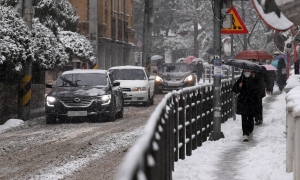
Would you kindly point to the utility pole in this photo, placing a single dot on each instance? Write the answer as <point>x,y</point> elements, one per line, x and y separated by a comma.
<point>147,33</point>
<point>217,116</point>
<point>196,31</point>
<point>24,90</point>
<point>243,18</point>
<point>93,27</point>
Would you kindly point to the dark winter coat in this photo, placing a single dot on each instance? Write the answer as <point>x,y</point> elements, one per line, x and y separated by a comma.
<point>272,76</point>
<point>248,95</point>
<point>199,68</point>
<point>263,82</point>
<point>281,73</point>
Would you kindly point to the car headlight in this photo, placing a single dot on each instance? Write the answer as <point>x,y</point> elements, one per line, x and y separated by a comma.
<point>50,100</point>
<point>158,79</point>
<point>139,89</point>
<point>189,78</point>
<point>105,99</point>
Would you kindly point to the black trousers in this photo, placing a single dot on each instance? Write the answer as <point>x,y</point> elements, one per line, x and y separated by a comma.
<point>259,115</point>
<point>247,124</point>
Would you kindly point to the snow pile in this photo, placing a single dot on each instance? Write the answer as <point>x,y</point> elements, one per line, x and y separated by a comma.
<point>10,124</point>
<point>293,81</point>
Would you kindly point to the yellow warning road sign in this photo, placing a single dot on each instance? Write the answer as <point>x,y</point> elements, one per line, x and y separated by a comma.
<point>238,26</point>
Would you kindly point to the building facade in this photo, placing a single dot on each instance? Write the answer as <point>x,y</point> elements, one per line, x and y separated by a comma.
<point>115,30</point>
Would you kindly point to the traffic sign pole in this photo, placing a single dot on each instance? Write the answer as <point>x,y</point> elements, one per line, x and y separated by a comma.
<point>217,116</point>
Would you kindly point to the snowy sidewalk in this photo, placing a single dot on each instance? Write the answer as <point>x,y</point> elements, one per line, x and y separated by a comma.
<point>230,158</point>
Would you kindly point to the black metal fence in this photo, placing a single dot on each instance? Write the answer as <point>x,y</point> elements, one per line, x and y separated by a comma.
<point>181,122</point>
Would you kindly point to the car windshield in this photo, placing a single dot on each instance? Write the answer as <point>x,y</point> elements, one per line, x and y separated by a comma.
<point>175,68</point>
<point>81,79</point>
<point>129,74</point>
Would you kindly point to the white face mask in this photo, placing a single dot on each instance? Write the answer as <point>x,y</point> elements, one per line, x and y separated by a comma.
<point>247,74</point>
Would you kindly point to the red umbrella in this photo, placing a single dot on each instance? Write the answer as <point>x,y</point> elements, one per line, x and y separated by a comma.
<point>254,55</point>
<point>189,59</point>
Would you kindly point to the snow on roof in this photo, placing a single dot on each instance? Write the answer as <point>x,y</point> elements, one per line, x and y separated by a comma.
<point>85,71</point>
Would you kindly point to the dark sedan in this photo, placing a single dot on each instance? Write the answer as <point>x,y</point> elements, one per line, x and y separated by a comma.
<point>174,76</point>
<point>92,94</point>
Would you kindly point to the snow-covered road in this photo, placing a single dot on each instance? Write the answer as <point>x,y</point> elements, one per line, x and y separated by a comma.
<point>36,150</point>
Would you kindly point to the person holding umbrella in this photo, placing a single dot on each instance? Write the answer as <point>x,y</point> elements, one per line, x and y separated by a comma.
<point>281,74</point>
<point>248,97</point>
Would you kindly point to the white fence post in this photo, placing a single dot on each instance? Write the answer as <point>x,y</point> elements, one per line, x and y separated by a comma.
<point>292,99</point>
<point>296,167</point>
<point>289,137</point>
<point>293,131</point>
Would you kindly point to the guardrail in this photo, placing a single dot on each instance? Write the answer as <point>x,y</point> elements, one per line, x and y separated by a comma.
<point>207,75</point>
<point>293,126</point>
<point>181,122</point>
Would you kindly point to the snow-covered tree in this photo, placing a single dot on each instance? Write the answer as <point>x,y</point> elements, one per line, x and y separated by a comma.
<point>77,46</point>
<point>15,39</point>
<point>9,2</point>
<point>49,52</point>
<point>43,44</point>
<point>176,17</point>
<point>56,15</point>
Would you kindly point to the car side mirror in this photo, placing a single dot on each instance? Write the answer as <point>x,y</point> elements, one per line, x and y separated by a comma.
<point>49,85</point>
<point>116,83</point>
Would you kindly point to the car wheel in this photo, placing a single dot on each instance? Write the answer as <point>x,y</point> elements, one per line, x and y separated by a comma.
<point>50,119</point>
<point>147,103</point>
<point>152,100</point>
<point>112,115</point>
<point>121,112</point>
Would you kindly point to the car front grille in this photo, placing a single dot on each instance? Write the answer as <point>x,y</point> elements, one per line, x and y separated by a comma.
<point>126,89</point>
<point>77,102</point>
<point>173,79</point>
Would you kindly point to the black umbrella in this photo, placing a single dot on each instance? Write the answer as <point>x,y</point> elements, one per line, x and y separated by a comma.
<point>245,64</point>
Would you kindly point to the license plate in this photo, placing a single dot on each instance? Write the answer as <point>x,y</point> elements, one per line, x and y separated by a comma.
<point>124,95</point>
<point>173,84</point>
<point>77,113</point>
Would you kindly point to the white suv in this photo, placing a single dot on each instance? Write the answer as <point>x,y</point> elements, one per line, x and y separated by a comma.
<point>136,83</point>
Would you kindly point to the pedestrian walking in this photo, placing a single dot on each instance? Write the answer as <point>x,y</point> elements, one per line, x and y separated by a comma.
<point>281,74</point>
<point>198,67</point>
<point>264,84</point>
<point>248,97</point>
<point>272,77</point>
